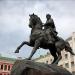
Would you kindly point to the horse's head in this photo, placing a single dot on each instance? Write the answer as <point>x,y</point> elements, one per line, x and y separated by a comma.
<point>34,20</point>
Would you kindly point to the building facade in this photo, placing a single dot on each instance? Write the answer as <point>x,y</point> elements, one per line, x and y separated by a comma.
<point>68,60</point>
<point>6,65</point>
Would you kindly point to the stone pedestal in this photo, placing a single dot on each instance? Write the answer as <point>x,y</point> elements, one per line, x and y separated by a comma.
<point>28,67</point>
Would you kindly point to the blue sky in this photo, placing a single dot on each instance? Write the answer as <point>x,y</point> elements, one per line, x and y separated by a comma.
<point>14,19</point>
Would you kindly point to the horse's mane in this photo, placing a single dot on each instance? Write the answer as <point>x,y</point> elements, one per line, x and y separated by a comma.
<point>38,19</point>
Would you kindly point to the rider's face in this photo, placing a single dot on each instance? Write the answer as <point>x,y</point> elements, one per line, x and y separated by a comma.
<point>48,17</point>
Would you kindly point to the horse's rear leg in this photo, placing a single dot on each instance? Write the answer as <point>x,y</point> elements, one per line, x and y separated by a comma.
<point>53,53</point>
<point>59,56</point>
<point>69,49</point>
<point>23,43</point>
<point>36,46</point>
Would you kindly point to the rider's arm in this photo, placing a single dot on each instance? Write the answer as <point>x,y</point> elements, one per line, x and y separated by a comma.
<point>52,22</point>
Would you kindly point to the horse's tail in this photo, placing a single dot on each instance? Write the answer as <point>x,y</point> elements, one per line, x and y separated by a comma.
<point>68,48</point>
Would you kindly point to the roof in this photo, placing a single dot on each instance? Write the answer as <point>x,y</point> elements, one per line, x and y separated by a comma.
<point>69,38</point>
<point>7,59</point>
<point>41,56</point>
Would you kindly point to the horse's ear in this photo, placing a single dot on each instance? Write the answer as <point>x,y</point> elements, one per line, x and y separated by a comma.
<point>33,13</point>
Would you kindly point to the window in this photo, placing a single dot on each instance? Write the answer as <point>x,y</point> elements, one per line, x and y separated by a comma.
<point>1,67</point>
<point>9,67</point>
<point>51,60</point>
<point>66,65</point>
<point>66,56</point>
<point>46,62</point>
<point>48,53</point>
<point>61,65</point>
<point>5,67</point>
<point>72,64</point>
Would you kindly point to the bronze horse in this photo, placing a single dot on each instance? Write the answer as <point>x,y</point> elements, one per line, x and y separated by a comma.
<point>38,40</point>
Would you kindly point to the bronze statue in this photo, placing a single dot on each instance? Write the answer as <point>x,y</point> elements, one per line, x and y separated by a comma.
<point>42,38</point>
<point>49,26</point>
<point>39,39</point>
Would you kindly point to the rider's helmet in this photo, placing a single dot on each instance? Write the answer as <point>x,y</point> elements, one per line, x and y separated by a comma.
<point>48,16</point>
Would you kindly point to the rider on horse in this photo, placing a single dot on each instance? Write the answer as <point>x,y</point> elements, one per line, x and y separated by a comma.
<point>49,26</point>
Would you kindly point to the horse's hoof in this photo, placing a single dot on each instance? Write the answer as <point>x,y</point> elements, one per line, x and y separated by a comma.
<point>17,51</point>
<point>54,63</point>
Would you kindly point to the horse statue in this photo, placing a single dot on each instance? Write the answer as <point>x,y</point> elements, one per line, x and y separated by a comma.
<point>38,40</point>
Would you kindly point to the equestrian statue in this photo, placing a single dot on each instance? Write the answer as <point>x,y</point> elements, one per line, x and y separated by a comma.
<point>45,38</point>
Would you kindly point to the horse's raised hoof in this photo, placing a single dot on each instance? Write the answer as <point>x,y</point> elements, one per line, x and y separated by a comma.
<point>17,51</point>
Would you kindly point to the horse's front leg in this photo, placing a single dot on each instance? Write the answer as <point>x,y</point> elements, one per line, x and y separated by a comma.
<point>23,43</point>
<point>53,53</point>
<point>36,46</point>
<point>59,56</point>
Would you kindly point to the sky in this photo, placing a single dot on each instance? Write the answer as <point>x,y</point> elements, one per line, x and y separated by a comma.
<point>14,20</point>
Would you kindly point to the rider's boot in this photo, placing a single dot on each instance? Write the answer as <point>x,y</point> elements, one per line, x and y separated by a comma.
<point>50,41</point>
